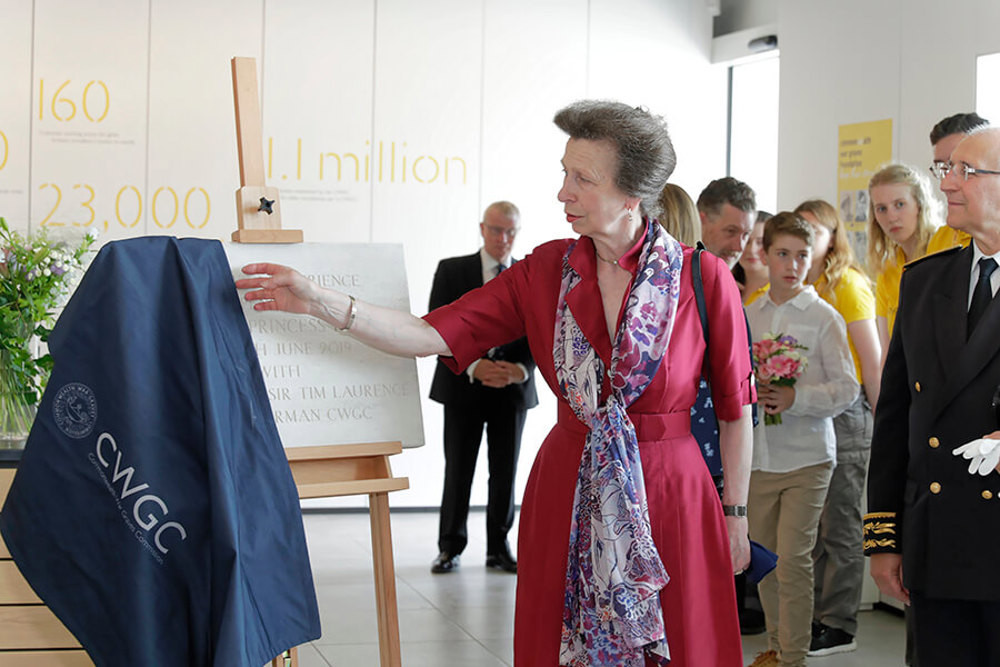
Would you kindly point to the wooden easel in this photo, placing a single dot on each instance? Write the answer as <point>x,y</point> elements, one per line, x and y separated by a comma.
<point>258,211</point>
<point>334,470</point>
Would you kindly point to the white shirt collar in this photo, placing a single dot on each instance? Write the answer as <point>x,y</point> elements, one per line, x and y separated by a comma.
<point>802,300</point>
<point>978,254</point>
<point>490,262</point>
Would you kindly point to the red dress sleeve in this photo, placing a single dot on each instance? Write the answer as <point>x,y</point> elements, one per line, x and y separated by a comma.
<point>494,314</point>
<point>729,365</point>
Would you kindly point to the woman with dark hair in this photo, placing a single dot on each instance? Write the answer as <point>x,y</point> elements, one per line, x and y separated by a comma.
<point>625,553</point>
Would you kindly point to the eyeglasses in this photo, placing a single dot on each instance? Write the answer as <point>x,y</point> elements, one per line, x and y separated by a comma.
<point>500,231</point>
<point>940,169</point>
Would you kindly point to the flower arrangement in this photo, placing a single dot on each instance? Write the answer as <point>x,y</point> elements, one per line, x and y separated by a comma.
<point>777,361</point>
<point>35,275</point>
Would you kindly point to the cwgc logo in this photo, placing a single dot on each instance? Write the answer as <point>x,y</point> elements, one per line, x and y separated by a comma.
<point>75,410</point>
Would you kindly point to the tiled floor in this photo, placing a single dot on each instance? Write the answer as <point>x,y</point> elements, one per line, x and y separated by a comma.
<point>464,619</point>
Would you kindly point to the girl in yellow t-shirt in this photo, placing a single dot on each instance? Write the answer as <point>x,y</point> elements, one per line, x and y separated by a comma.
<point>750,272</point>
<point>838,560</point>
<point>903,216</point>
<point>839,280</point>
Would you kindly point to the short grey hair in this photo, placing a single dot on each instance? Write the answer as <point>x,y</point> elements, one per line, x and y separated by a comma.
<point>727,190</point>
<point>646,156</point>
<point>504,208</point>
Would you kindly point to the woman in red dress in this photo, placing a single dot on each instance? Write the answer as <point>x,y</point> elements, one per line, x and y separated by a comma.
<point>625,555</point>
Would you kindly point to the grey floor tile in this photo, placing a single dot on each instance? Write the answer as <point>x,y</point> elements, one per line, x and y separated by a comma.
<point>464,619</point>
<point>416,654</point>
<point>881,641</point>
<point>309,656</point>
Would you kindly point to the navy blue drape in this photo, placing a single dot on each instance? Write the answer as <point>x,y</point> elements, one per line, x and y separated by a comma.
<point>153,510</point>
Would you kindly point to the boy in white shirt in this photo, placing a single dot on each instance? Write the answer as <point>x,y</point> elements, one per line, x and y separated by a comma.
<point>793,460</point>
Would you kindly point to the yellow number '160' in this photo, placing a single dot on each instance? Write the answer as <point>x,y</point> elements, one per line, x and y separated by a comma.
<point>63,108</point>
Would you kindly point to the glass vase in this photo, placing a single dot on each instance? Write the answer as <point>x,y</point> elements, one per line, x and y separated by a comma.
<point>16,412</point>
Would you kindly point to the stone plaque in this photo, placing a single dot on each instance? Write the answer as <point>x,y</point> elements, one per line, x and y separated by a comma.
<point>325,387</point>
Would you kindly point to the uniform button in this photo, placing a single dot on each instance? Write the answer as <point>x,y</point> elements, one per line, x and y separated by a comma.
<point>934,443</point>
<point>987,495</point>
<point>935,487</point>
<point>916,385</point>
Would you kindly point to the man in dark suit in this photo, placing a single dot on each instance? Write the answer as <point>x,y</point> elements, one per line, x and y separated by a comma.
<point>495,392</point>
<point>932,527</point>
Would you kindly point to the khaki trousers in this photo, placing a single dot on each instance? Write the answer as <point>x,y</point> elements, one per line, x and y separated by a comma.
<point>784,510</point>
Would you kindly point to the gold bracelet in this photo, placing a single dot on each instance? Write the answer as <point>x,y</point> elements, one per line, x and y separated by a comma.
<point>352,314</point>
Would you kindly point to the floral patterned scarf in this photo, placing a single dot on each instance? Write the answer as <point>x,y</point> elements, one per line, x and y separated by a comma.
<point>612,613</point>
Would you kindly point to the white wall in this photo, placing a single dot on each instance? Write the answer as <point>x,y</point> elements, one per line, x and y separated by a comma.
<point>847,62</point>
<point>477,80</point>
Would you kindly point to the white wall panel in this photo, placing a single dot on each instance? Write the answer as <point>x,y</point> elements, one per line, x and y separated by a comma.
<point>426,157</point>
<point>15,111</point>
<point>89,115</point>
<point>531,69</point>
<point>825,83</point>
<point>192,127</point>
<point>426,145</point>
<point>657,55</point>
<point>318,96</point>
<point>852,61</point>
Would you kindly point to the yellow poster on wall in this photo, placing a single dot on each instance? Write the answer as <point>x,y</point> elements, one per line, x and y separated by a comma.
<point>862,148</point>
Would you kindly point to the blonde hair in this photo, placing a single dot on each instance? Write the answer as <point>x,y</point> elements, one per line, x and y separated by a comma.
<point>679,217</point>
<point>839,258</point>
<point>882,249</point>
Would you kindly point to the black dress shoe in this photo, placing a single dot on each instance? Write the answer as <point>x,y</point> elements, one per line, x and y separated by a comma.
<point>445,563</point>
<point>502,560</point>
<point>751,622</point>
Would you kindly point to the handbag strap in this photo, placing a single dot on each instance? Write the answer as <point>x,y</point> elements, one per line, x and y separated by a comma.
<point>699,289</point>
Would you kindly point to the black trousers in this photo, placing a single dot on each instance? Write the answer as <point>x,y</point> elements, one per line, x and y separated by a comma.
<point>956,633</point>
<point>463,434</point>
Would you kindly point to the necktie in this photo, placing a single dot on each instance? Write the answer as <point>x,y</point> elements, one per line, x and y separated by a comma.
<point>496,352</point>
<point>982,294</point>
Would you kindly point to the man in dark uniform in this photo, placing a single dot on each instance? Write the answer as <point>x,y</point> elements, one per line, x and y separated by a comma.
<point>931,530</point>
<point>495,392</point>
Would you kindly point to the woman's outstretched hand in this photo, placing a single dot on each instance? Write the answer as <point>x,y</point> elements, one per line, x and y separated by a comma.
<point>277,287</point>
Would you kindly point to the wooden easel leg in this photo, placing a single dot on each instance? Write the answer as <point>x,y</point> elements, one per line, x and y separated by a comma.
<point>289,658</point>
<point>385,580</point>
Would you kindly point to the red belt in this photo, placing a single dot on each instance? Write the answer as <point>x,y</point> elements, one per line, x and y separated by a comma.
<point>648,425</point>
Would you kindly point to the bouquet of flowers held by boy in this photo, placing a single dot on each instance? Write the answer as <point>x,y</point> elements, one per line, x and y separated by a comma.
<point>777,361</point>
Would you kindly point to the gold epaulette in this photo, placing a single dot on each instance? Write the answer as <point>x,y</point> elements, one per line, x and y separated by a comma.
<point>939,253</point>
<point>881,533</point>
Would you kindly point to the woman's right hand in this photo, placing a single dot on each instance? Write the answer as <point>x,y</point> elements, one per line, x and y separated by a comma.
<point>279,288</point>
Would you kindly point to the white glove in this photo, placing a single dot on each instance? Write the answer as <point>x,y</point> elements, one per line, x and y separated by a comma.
<point>984,455</point>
